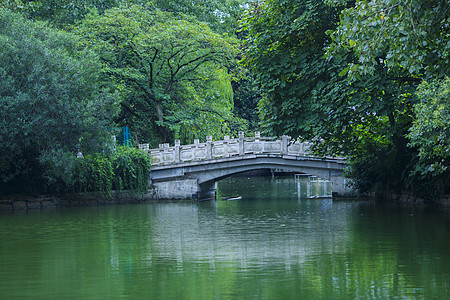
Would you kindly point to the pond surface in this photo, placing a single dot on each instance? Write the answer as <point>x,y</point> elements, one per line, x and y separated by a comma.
<point>274,242</point>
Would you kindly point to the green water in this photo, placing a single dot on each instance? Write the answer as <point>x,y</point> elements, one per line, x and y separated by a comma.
<point>273,243</point>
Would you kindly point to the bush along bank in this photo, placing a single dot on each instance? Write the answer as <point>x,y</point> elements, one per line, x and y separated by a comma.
<point>119,176</point>
<point>125,169</point>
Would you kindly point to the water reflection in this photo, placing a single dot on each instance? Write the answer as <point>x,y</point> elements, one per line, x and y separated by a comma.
<point>300,186</point>
<point>270,244</point>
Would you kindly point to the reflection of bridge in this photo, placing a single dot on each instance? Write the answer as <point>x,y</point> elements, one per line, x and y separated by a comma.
<point>191,171</point>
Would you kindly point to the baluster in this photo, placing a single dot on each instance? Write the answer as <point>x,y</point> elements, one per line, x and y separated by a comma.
<point>177,151</point>
<point>241,143</point>
<point>226,145</point>
<point>284,144</point>
<point>209,147</point>
<point>195,148</point>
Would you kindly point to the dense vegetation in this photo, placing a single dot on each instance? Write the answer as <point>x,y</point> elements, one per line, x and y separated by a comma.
<point>51,103</point>
<point>363,79</point>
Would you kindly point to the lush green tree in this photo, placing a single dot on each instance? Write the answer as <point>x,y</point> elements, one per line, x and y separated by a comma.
<point>430,134</point>
<point>307,94</point>
<point>246,98</point>
<point>166,68</point>
<point>411,40</point>
<point>58,12</point>
<point>408,34</point>
<point>345,73</point>
<point>221,15</point>
<point>51,104</point>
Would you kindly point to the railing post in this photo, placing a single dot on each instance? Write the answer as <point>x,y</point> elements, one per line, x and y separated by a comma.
<point>241,143</point>
<point>209,147</point>
<point>257,136</point>
<point>194,150</point>
<point>226,141</point>
<point>177,151</point>
<point>284,144</point>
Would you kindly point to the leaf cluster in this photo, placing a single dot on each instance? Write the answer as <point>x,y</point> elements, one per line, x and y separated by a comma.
<point>405,34</point>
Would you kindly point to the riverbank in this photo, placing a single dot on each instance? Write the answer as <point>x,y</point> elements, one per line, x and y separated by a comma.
<point>21,202</point>
<point>408,198</point>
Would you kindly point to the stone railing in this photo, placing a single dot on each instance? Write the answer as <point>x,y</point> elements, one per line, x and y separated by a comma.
<point>165,154</point>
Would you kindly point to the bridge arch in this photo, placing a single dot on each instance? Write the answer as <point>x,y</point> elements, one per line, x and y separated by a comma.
<point>197,179</point>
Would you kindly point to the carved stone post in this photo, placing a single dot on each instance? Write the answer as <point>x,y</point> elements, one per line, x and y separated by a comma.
<point>226,141</point>
<point>284,144</point>
<point>195,149</point>
<point>257,136</point>
<point>177,151</point>
<point>241,143</point>
<point>209,147</point>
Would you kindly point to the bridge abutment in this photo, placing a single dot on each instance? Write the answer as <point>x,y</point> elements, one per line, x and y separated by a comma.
<point>184,189</point>
<point>340,187</point>
<point>176,189</point>
<point>207,190</point>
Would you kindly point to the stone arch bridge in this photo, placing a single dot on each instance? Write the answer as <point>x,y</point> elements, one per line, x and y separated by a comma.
<point>191,171</point>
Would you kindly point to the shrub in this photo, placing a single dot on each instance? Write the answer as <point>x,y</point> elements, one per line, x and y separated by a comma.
<point>93,173</point>
<point>131,168</point>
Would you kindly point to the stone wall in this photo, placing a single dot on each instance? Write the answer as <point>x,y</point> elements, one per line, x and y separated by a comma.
<point>18,202</point>
<point>407,197</point>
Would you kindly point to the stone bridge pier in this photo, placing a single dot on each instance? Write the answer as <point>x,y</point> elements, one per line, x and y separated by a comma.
<point>192,171</point>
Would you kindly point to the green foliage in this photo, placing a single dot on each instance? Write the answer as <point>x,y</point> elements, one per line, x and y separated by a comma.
<point>125,168</point>
<point>406,34</point>
<point>50,101</point>
<point>93,173</point>
<point>221,15</point>
<point>60,13</point>
<point>131,168</point>
<point>304,94</point>
<point>284,50</point>
<point>156,60</point>
<point>410,40</point>
<point>430,134</point>
<point>337,75</point>
<point>246,98</point>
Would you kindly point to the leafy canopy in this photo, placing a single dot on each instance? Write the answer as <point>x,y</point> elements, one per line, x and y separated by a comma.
<point>407,34</point>
<point>162,65</point>
<point>430,133</point>
<point>320,82</point>
<point>221,15</point>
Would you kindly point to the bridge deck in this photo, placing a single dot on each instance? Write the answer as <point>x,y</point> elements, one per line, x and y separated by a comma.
<point>234,149</point>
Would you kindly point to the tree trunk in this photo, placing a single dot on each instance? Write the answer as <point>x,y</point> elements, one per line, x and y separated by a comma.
<point>161,129</point>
